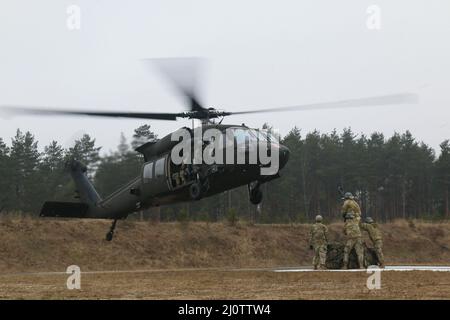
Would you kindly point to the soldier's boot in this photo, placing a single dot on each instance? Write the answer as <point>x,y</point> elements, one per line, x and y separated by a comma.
<point>345,264</point>
<point>361,261</point>
<point>322,267</point>
<point>380,258</point>
<point>315,264</point>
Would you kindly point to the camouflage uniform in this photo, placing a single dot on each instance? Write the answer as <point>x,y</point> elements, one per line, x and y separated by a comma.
<point>183,173</point>
<point>318,241</point>
<point>351,205</point>
<point>354,240</point>
<point>375,236</point>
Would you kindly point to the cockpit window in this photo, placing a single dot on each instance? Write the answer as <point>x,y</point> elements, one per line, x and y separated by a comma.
<point>265,135</point>
<point>242,134</point>
<point>253,135</point>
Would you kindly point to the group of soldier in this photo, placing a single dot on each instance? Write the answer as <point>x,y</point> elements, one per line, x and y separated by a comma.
<point>353,226</point>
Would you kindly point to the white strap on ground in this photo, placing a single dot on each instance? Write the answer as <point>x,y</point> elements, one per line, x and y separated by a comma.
<point>387,268</point>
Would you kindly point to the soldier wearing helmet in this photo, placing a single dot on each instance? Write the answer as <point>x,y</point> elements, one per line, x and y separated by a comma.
<point>376,237</point>
<point>353,240</point>
<point>350,205</point>
<point>318,241</point>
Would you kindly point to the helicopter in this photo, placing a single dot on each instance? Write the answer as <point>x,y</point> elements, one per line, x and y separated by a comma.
<point>163,181</point>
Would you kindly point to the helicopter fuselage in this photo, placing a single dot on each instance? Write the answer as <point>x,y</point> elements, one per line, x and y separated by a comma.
<point>163,182</point>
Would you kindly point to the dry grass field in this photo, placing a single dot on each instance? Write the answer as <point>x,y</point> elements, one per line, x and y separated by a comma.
<point>227,284</point>
<point>204,261</point>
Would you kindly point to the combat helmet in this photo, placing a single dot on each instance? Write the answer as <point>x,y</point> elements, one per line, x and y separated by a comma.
<point>369,220</point>
<point>348,195</point>
<point>319,218</point>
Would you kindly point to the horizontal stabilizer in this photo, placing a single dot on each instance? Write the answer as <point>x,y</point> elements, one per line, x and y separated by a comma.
<point>64,209</point>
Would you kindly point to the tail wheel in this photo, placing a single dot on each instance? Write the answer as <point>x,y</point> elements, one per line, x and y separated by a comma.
<point>195,191</point>
<point>109,236</point>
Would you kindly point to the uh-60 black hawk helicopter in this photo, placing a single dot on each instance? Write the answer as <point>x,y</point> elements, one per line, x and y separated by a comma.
<point>162,181</point>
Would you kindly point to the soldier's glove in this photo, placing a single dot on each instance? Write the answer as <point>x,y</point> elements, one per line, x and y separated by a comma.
<point>311,247</point>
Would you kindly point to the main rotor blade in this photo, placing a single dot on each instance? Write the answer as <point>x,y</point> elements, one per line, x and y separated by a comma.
<point>185,76</point>
<point>12,110</point>
<point>393,99</point>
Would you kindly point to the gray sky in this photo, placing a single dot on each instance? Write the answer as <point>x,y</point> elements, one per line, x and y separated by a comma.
<point>260,54</point>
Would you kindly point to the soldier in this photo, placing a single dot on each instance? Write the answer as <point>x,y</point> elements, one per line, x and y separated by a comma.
<point>350,205</point>
<point>183,173</point>
<point>354,240</point>
<point>318,242</point>
<point>176,177</point>
<point>375,236</point>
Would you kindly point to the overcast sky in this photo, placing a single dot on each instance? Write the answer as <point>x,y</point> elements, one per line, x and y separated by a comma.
<point>260,54</point>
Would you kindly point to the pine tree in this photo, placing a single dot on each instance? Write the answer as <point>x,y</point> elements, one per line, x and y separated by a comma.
<point>125,164</point>
<point>54,178</point>
<point>25,159</point>
<point>393,177</point>
<point>85,151</point>
<point>443,177</point>
<point>5,176</point>
<point>123,147</point>
<point>142,135</point>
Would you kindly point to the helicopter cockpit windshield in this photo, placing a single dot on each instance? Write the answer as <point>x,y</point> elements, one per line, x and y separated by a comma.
<point>268,136</point>
<point>243,134</point>
<point>252,135</point>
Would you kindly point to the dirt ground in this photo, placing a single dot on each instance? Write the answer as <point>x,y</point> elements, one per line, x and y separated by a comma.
<point>228,284</point>
<point>43,245</point>
<point>200,261</point>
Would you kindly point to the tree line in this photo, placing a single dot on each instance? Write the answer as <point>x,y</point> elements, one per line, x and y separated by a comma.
<point>392,177</point>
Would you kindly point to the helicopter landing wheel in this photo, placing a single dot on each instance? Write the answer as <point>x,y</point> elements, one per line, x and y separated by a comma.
<point>110,234</point>
<point>256,196</point>
<point>195,191</point>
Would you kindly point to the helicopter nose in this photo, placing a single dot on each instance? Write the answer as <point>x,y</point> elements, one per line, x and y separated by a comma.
<point>284,155</point>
